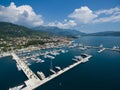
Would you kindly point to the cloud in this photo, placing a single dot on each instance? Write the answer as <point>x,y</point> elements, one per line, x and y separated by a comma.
<point>108,11</point>
<point>83,15</point>
<point>109,15</point>
<point>22,15</point>
<point>25,15</point>
<point>113,18</point>
<point>66,24</point>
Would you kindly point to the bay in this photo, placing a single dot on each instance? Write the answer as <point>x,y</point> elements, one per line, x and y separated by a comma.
<point>100,73</point>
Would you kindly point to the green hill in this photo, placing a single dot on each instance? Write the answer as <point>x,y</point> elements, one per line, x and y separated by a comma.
<point>12,30</point>
<point>13,37</point>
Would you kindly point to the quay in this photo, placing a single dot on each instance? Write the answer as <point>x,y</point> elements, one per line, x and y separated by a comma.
<point>101,48</point>
<point>82,47</point>
<point>32,78</point>
<point>33,81</point>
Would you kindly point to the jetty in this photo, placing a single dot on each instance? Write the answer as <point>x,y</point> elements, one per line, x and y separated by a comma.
<point>101,47</point>
<point>34,81</point>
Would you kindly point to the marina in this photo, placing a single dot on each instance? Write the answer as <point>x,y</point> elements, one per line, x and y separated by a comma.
<point>57,60</point>
<point>101,48</point>
<point>56,52</point>
<point>59,45</point>
<point>34,82</point>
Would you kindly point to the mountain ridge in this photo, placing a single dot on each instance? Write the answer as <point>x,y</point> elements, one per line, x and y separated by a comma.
<point>13,30</point>
<point>105,33</point>
<point>59,31</point>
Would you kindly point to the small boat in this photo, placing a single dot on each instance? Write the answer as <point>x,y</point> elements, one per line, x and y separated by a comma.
<point>57,67</point>
<point>84,55</point>
<point>114,47</point>
<point>52,71</point>
<point>63,51</point>
<point>41,75</point>
<point>55,53</point>
<point>101,46</point>
<point>83,48</point>
<point>101,50</point>
<point>28,64</point>
<point>40,61</point>
<point>49,56</point>
<point>17,87</point>
<point>75,60</point>
<point>78,57</point>
<point>18,67</point>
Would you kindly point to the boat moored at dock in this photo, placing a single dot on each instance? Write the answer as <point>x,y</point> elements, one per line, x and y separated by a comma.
<point>34,82</point>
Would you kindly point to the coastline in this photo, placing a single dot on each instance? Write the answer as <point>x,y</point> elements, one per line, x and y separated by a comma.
<point>32,48</point>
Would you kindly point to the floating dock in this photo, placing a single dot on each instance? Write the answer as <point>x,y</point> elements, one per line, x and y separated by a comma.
<point>102,48</point>
<point>33,81</point>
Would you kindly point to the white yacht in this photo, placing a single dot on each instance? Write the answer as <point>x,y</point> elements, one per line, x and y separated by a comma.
<point>18,67</point>
<point>101,50</point>
<point>17,87</point>
<point>57,67</point>
<point>49,56</point>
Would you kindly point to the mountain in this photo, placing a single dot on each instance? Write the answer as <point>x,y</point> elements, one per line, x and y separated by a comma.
<point>59,31</point>
<point>12,30</point>
<point>106,33</point>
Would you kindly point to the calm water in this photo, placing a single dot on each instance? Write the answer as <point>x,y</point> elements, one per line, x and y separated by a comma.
<point>102,72</point>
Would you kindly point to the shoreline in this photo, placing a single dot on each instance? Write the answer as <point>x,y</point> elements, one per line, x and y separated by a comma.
<point>32,48</point>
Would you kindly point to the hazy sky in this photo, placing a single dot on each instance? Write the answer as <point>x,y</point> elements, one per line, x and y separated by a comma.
<point>83,15</point>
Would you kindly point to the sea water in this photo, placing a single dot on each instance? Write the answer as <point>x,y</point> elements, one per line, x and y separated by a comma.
<point>101,72</point>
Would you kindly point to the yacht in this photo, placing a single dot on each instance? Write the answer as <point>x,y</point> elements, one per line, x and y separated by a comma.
<point>57,67</point>
<point>101,50</point>
<point>17,87</point>
<point>18,67</point>
<point>49,56</point>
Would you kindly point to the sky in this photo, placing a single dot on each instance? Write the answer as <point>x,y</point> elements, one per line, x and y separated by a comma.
<point>83,15</point>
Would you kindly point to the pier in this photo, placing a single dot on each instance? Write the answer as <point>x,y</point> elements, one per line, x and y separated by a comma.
<point>32,78</point>
<point>33,81</point>
<point>101,47</point>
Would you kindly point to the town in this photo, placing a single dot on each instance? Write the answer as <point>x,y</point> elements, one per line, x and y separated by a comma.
<point>28,43</point>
